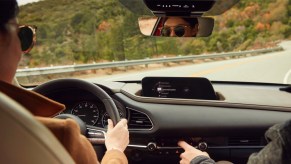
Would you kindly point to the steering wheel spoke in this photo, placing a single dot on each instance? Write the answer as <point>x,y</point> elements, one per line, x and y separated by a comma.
<point>96,135</point>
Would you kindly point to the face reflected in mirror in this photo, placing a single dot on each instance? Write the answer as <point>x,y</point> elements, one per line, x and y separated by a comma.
<point>179,27</point>
<point>176,26</point>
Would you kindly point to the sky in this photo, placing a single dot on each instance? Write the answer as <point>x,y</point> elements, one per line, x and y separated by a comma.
<point>23,2</point>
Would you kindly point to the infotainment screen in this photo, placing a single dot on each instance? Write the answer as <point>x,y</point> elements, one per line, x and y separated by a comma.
<point>178,87</point>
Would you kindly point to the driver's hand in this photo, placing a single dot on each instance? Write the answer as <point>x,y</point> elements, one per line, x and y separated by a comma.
<point>190,152</point>
<point>117,137</point>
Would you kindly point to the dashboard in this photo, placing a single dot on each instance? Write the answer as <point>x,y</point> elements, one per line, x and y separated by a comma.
<point>228,128</point>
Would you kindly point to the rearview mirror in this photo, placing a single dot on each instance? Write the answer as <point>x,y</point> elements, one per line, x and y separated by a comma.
<point>176,26</point>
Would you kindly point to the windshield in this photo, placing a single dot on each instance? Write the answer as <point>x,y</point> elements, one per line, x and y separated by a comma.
<point>100,40</point>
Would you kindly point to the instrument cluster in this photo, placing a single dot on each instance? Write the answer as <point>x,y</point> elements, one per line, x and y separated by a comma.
<point>93,112</point>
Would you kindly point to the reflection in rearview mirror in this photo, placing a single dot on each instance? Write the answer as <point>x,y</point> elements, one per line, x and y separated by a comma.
<point>176,26</point>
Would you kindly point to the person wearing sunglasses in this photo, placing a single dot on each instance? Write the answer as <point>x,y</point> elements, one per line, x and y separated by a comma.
<point>180,27</point>
<point>16,40</point>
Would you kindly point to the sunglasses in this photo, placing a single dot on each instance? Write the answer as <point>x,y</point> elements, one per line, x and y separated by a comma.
<point>26,34</point>
<point>27,37</point>
<point>179,30</point>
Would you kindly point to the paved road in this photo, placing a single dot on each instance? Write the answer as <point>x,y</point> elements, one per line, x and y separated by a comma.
<point>272,68</point>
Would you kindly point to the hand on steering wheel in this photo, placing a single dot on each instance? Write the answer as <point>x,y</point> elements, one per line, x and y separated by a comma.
<point>117,138</point>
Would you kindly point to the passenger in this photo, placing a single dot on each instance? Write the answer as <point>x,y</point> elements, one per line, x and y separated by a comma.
<point>180,27</point>
<point>277,151</point>
<point>16,40</point>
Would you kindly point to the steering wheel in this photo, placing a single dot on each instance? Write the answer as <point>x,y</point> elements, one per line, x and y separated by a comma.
<point>94,134</point>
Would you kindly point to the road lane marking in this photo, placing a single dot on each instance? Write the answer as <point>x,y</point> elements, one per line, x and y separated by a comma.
<point>287,77</point>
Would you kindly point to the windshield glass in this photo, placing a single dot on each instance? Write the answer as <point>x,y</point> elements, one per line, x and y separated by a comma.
<point>100,40</point>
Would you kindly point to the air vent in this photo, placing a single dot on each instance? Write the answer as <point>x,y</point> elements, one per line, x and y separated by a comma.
<point>139,121</point>
<point>245,141</point>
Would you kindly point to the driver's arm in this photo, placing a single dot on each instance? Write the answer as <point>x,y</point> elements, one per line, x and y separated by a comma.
<point>67,132</point>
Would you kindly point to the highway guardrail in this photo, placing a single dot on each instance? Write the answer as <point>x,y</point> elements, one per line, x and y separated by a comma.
<point>83,67</point>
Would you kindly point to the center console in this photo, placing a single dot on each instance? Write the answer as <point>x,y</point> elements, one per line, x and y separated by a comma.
<point>236,149</point>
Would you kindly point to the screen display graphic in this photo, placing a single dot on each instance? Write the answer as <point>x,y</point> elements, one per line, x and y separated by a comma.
<point>171,87</point>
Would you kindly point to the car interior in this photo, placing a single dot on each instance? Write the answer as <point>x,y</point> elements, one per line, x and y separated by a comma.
<point>226,119</point>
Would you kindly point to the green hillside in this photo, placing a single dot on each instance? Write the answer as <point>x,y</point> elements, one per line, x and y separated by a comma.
<point>87,31</point>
